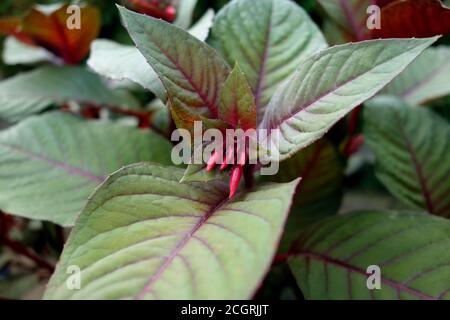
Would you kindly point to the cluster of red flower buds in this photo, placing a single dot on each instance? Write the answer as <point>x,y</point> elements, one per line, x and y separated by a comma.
<point>237,167</point>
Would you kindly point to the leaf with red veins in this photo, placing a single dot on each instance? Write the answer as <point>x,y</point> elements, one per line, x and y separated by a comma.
<point>191,71</point>
<point>413,18</point>
<point>237,103</point>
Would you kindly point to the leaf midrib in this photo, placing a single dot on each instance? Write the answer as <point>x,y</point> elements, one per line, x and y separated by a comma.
<point>264,57</point>
<point>307,254</point>
<point>212,105</point>
<point>178,248</point>
<point>72,170</point>
<point>417,166</point>
<point>310,103</point>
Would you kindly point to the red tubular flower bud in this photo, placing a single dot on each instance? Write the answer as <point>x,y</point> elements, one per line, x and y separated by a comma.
<point>236,174</point>
<point>228,158</point>
<point>212,161</point>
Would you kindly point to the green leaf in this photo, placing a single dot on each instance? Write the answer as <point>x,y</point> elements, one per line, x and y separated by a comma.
<point>201,28</point>
<point>185,13</point>
<point>237,104</point>
<point>18,286</point>
<point>268,48</point>
<point>331,259</point>
<point>319,193</point>
<point>411,146</point>
<point>425,79</point>
<point>50,164</point>
<point>31,92</point>
<point>191,71</point>
<point>329,84</point>
<point>16,52</point>
<point>183,241</point>
<point>198,173</point>
<point>122,62</point>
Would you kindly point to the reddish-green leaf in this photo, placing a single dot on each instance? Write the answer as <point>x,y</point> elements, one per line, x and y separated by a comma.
<point>237,104</point>
<point>332,82</point>
<point>191,71</point>
<point>143,235</point>
<point>412,148</point>
<point>413,18</point>
<point>350,16</point>
<point>332,257</point>
<point>268,38</point>
<point>319,193</point>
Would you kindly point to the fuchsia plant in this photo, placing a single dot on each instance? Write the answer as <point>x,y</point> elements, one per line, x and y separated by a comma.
<point>147,227</point>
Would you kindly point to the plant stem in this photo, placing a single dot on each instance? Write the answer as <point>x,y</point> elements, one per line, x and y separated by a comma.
<point>249,177</point>
<point>21,249</point>
<point>143,117</point>
<point>18,247</point>
<point>352,127</point>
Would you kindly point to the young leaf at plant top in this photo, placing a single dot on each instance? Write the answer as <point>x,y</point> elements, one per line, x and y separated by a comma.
<point>319,193</point>
<point>425,79</point>
<point>412,250</point>
<point>268,48</point>
<point>411,145</point>
<point>117,61</point>
<point>33,91</point>
<point>50,164</point>
<point>329,84</point>
<point>413,18</point>
<point>237,110</point>
<point>47,26</point>
<point>191,71</point>
<point>237,103</point>
<point>184,241</point>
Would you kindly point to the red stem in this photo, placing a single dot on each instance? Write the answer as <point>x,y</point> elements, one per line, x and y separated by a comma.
<point>18,247</point>
<point>21,249</point>
<point>352,127</point>
<point>143,117</point>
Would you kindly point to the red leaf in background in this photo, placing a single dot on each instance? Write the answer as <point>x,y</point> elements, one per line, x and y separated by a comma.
<point>154,8</point>
<point>51,31</point>
<point>382,3</point>
<point>413,18</point>
<point>11,26</point>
